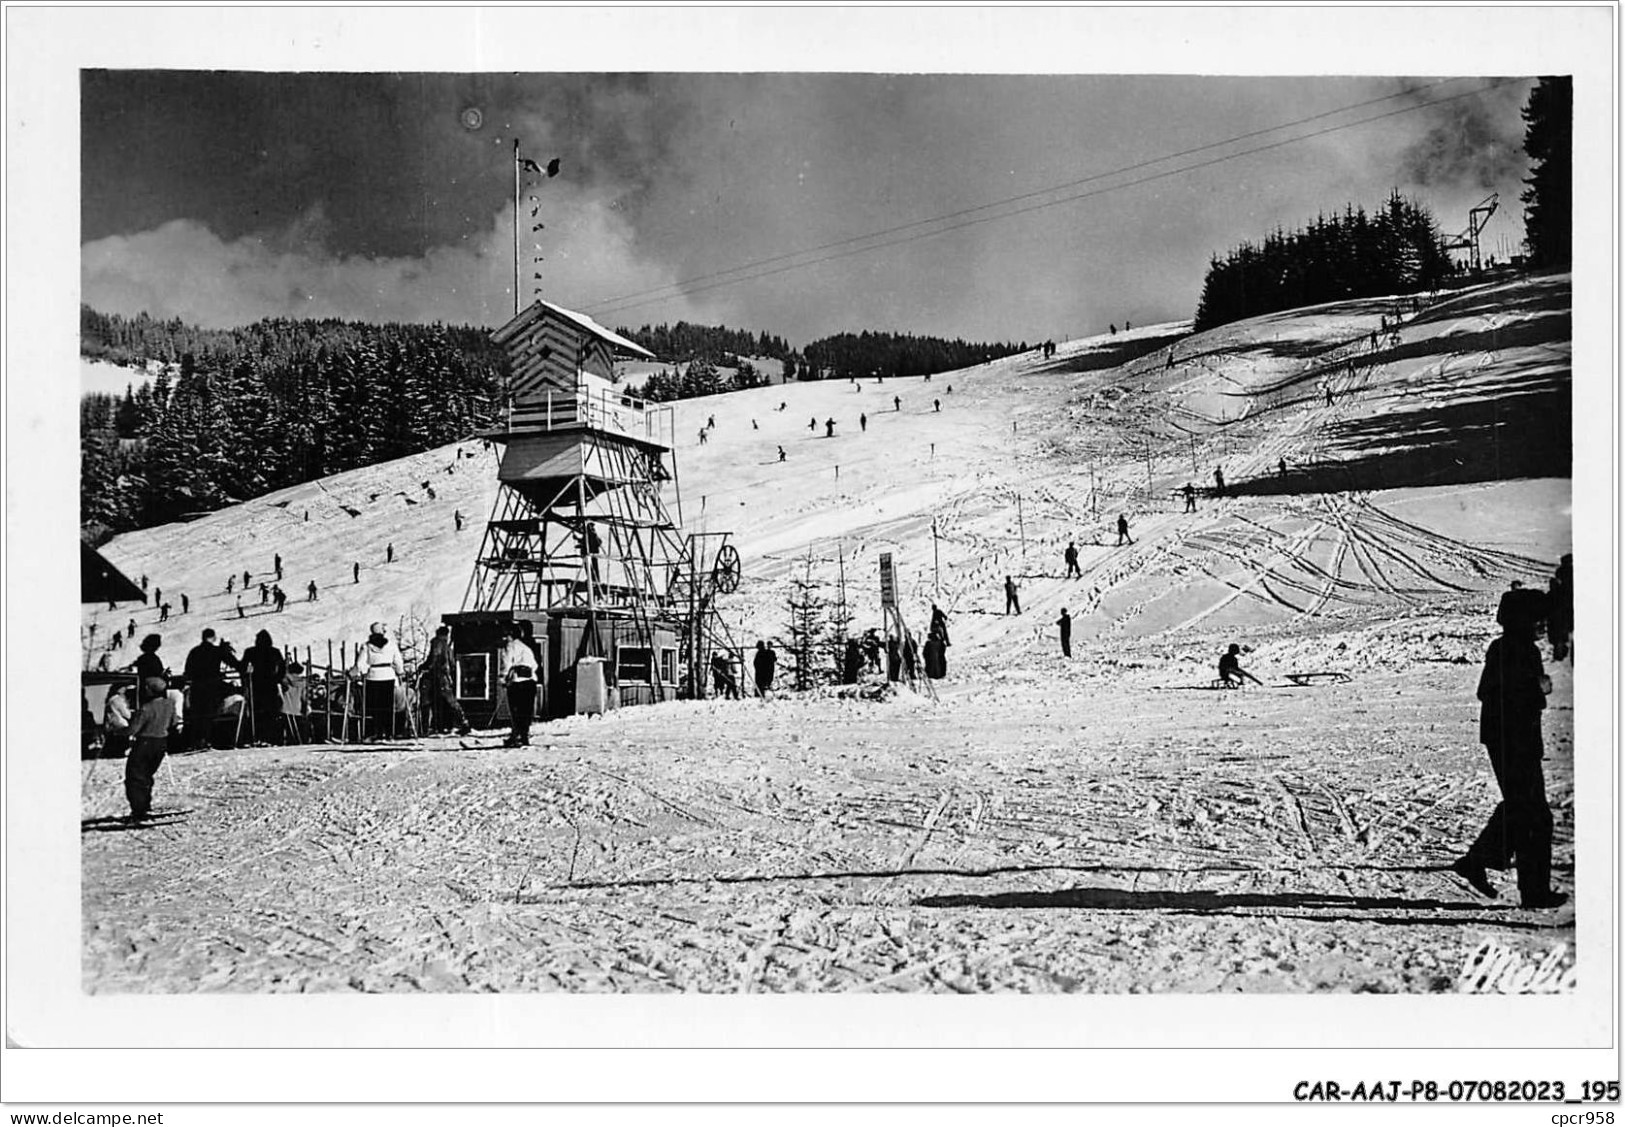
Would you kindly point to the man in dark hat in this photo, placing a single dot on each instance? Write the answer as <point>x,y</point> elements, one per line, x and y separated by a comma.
<point>1512,692</point>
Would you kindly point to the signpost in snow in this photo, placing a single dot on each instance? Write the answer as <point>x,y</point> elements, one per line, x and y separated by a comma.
<point>888,582</point>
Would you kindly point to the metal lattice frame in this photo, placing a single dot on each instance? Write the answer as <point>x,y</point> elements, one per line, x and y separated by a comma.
<point>534,552</point>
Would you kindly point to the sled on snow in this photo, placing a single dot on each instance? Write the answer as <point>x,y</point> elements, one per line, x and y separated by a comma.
<point>1308,680</point>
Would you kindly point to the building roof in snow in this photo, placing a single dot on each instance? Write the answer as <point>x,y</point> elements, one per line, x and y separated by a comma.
<point>100,581</point>
<point>537,308</point>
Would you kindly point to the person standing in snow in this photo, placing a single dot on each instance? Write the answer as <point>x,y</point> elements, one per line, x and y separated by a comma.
<point>355,572</point>
<point>149,736</point>
<point>851,662</point>
<point>206,684</point>
<point>389,553</point>
<point>246,578</point>
<point>518,663</point>
<point>263,671</point>
<point>897,403</point>
<point>871,650</point>
<point>1012,598</point>
<point>781,453</point>
<point>310,592</point>
<point>379,666</point>
<point>439,670</point>
<point>1218,480</point>
<point>1560,609</point>
<point>863,423</point>
<point>829,428</point>
<point>1190,497</point>
<point>1073,571</point>
<point>722,677</point>
<point>766,661</point>
<point>1512,691</point>
<point>231,584</point>
<point>939,625</point>
<point>1065,623</point>
<point>278,566</point>
<point>1122,530</point>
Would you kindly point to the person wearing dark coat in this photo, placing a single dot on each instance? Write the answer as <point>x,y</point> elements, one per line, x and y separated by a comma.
<point>939,625</point>
<point>148,663</point>
<point>765,662</point>
<point>1230,671</point>
<point>1560,610</point>
<point>440,669</point>
<point>1073,571</point>
<point>1512,692</point>
<point>206,664</point>
<point>852,662</point>
<point>264,669</point>
<point>1065,623</point>
<point>723,683</point>
<point>1012,597</point>
<point>894,659</point>
<point>1122,530</point>
<point>871,650</point>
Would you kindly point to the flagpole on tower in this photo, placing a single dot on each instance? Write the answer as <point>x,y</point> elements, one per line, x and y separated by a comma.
<point>516,226</point>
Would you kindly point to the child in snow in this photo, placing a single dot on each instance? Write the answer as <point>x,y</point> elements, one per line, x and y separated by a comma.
<point>149,741</point>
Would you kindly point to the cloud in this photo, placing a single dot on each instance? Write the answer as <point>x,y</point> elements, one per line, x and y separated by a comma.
<point>1474,142</point>
<point>183,269</point>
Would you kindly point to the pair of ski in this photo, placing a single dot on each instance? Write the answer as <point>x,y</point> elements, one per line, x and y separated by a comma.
<point>468,744</point>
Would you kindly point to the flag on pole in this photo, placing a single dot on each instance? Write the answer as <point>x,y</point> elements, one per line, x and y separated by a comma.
<point>529,165</point>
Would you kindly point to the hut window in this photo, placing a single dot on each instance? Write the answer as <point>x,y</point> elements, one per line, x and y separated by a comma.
<point>634,664</point>
<point>474,676</point>
<point>668,665</point>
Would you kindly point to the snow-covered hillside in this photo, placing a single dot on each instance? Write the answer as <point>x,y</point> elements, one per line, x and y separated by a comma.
<point>1461,415</point>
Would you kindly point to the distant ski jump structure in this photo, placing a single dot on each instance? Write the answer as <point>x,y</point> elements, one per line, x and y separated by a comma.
<point>581,551</point>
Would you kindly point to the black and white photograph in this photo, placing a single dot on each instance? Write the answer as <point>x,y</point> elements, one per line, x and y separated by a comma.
<point>578,526</point>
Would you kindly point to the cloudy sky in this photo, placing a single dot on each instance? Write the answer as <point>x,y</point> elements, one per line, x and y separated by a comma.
<point>976,206</point>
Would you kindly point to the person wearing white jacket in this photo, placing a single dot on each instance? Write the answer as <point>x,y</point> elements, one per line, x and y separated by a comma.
<point>518,667</point>
<point>379,663</point>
